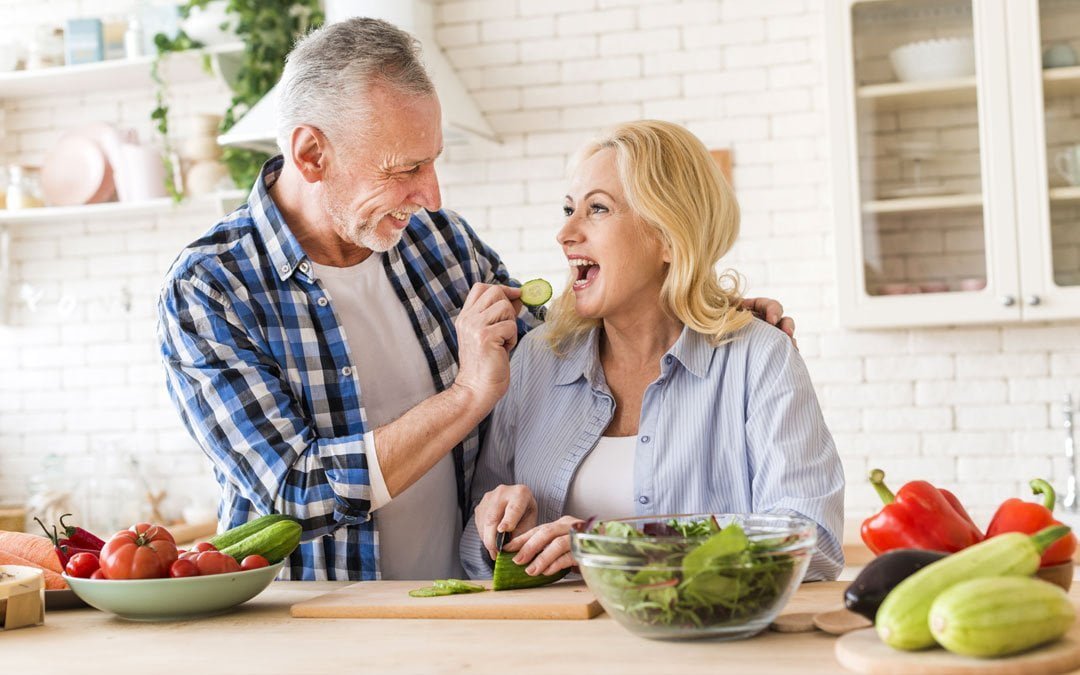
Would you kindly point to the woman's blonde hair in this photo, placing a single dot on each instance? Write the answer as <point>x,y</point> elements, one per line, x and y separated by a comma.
<point>672,183</point>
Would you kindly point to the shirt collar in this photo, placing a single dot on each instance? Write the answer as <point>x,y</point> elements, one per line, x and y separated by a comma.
<point>692,350</point>
<point>281,245</point>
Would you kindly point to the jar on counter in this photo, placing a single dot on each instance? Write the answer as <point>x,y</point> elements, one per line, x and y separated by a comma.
<point>24,187</point>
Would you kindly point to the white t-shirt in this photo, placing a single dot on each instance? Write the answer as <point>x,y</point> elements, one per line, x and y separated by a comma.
<point>604,483</point>
<point>417,530</point>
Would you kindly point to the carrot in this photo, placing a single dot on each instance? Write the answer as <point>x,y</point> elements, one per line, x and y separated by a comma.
<point>38,550</point>
<point>53,581</point>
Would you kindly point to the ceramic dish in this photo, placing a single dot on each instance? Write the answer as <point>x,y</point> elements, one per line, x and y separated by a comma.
<point>76,172</point>
<point>173,599</point>
<point>939,59</point>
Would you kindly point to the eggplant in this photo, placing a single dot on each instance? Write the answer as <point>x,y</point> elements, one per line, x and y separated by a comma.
<point>882,574</point>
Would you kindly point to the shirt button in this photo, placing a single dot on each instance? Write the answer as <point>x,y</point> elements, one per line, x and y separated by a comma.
<point>285,269</point>
<point>304,267</point>
<point>323,302</point>
<point>645,439</point>
<point>668,359</point>
<point>346,371</point>
<point>643,499</point>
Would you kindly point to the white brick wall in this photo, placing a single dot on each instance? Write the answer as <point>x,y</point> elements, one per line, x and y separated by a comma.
<point>975,409</point>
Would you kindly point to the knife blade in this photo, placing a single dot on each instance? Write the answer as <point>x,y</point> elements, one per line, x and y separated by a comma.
<point>500,540</point>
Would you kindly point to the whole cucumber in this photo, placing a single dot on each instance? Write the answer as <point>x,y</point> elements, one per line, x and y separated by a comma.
<point>902,621</point>
<point>241,532</point>
<point>998,616</point>
<point>274,542</point>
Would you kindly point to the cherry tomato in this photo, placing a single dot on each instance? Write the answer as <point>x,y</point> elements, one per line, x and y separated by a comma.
<point>98,574</point>
<point>214,562</point>
<point>82,565</point>
<point>183,568</point>
<point>144,551</point>
<point>254,562</point>
<point>203,546</point>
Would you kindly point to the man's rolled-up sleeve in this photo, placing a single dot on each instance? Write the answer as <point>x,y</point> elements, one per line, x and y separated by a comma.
<point>236,403</point>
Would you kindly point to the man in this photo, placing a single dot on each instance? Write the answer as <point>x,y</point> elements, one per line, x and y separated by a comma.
<point>335,344</point>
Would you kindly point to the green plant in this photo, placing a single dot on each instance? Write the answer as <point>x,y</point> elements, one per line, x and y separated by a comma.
<point>268,29</point>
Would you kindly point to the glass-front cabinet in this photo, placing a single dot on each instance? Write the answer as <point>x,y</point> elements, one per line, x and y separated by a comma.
<point>956,154</point>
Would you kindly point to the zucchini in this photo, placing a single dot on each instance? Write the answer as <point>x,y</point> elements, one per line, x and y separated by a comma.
<point>998,616</point>
<point>241,532</point>
<point>273,542</point>
<point>510,576</point>
<point>535,293</point>
<point>902,621</point>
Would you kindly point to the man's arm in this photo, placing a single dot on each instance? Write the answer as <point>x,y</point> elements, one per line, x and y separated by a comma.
<point>236,403</point>
<point>410,445</point>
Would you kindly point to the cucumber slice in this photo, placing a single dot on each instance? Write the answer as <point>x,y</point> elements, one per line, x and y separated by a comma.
<point>510,576</point>
<point>429,592</point>
<point>535,293</point>
<point>458,586</point>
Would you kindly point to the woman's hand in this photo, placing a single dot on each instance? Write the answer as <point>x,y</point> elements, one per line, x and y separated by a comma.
<point>545,549</point>
<point>507,508</point>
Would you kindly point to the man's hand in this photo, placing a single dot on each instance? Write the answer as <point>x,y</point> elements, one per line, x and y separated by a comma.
<point>507,508</point>
<point>486,331</point>
<point>772,312</point>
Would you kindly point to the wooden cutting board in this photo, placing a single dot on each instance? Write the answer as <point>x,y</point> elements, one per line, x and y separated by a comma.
<point>391,600</point>
<point>862,652</point>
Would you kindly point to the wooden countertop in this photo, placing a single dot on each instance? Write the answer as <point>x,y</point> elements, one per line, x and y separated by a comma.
<point>261,637</point>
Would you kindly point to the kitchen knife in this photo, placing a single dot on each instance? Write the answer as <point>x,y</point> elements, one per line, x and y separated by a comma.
<point>500,540</point>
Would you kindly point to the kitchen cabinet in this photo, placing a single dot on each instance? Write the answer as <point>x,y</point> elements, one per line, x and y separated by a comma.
<point>949,204</point>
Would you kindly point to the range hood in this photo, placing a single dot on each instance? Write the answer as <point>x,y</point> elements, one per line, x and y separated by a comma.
<point>462,119</point>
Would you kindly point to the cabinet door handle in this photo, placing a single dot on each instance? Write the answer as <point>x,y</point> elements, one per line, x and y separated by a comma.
<point>1008,300</point>
<point>1034,300</point>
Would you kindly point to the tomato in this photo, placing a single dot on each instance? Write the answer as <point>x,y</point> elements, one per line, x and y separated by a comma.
<point>144,551</point>
<point>203,546</point>
<point>215,562</point>
<point>82,565</point>
<point>183,568</point>
<point>254,562</point>
<point>98,574</point>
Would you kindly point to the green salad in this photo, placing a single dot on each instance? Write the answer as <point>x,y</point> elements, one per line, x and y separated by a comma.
<point>726,578</point>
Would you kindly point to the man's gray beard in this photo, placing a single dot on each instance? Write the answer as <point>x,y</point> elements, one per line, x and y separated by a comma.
<point>363,234</point>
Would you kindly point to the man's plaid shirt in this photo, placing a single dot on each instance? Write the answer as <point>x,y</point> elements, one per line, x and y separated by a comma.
<point>258,367</point>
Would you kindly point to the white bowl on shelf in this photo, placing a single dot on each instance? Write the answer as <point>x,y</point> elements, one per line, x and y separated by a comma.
<point>937,59</point>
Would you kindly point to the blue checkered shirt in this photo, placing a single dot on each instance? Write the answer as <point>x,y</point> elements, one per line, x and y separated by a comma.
<point>259,369</point>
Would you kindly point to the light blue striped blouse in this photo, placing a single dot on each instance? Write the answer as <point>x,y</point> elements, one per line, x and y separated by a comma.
<point>735,428</point>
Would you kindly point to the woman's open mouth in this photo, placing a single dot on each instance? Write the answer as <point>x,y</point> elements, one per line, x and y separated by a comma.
<point>586,269</point>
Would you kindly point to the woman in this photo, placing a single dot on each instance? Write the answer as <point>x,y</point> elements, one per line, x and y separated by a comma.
<point>649,391</point>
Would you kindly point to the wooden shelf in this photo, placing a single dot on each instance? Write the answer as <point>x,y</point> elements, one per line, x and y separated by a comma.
<point>109,76</point>
<point>1065,194</point>
<point>897,95</point>
<point>111,209</point>
<point>935,203</point>
<point>1061,81</point>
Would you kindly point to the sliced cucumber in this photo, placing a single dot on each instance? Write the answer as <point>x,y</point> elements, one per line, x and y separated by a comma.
<point>535,293</point>
<point>429,592</point>
<point>510,576</point>
<point>446,587</point>
<point>458,586</point>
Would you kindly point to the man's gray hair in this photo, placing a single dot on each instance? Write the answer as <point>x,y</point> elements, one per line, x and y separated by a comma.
<point>329,71</point>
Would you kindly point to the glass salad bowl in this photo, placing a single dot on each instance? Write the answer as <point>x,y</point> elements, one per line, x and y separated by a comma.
<point>722,575</point>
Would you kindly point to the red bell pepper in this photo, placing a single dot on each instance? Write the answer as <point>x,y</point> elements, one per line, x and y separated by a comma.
<point>919,515</point>
<point>1016,515</point>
